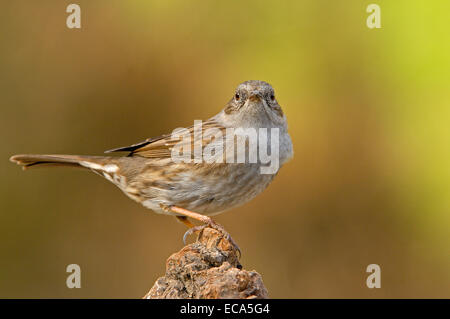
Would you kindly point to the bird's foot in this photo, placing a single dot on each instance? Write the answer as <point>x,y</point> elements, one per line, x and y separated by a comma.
<point>208,222</point>
<point>191,231</point>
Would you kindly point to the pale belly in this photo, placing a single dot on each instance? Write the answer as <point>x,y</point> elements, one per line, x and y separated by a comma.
<point>207,193</point>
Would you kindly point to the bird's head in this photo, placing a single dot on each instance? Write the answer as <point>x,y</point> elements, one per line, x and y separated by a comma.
<point>254,102</point>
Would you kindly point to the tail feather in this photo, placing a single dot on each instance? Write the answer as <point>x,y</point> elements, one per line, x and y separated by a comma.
<point>27,161</point>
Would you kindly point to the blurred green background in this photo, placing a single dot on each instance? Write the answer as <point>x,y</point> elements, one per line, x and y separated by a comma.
<point>368,112</point>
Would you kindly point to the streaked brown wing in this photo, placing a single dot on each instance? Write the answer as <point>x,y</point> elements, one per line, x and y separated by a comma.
<point>134,147</point>
<point>161,147</point>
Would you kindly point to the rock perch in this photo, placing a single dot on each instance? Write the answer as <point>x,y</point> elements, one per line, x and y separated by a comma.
<point>208,268</point>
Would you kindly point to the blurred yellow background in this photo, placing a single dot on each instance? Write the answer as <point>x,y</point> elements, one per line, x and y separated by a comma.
<point>368,112</point>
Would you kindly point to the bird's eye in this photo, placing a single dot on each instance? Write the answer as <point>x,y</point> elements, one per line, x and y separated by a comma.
<point>272,97</point>
<point>237,96</point>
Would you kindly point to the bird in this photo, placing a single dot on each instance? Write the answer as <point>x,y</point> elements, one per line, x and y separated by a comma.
<point>190,187</point>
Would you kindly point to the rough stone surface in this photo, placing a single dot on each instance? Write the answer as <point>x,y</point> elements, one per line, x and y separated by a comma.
<point>208,268</point>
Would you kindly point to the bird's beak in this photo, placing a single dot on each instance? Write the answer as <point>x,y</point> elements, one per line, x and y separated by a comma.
<point>254,97</point>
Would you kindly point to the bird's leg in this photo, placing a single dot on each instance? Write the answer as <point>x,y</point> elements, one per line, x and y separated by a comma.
<point>185,221</point>
<point>187,213</point>
<point>208,221</point>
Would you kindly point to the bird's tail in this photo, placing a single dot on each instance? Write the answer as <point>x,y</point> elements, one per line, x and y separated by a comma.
<point>90,162</point>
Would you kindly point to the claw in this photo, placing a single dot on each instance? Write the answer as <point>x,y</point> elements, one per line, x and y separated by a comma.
<point>192,230</point>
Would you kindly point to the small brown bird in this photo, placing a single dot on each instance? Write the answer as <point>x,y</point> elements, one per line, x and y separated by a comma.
<point>194,186</point>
